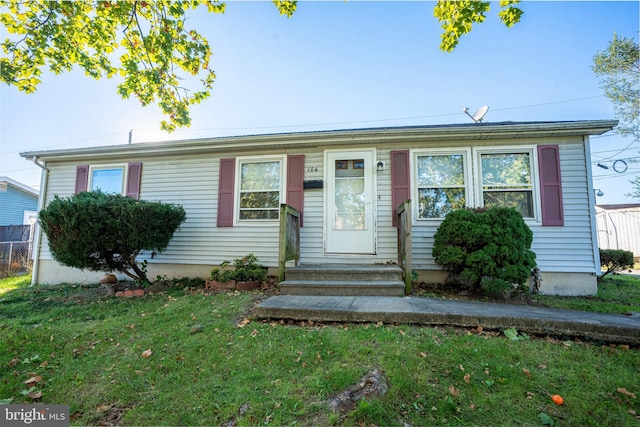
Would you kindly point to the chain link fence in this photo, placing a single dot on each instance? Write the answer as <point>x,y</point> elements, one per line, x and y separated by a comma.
<point>16,249</point>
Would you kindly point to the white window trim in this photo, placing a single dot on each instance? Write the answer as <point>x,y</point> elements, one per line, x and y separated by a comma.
<point>473,175</point>
<point>125,172</point>
<point>236,196</point>
<point>467,170</point>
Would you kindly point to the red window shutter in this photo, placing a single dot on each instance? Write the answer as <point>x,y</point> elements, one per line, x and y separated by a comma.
<point>82,178</point>
<point>295,183</point>
<point>400,185</point>
<point>134,176</point>
<point>550,185</point>
<point>225,192</point>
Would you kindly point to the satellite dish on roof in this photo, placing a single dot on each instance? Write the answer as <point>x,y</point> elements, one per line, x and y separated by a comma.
<point>478,116</point>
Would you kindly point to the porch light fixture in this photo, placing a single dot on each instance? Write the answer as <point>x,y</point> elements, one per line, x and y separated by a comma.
<point>380,167</point>
<point>599,192</point>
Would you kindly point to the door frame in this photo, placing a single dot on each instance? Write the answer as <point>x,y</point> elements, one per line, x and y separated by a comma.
<point>329,158</point>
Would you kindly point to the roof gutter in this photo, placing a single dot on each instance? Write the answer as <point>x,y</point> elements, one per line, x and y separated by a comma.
<point>463,132</point>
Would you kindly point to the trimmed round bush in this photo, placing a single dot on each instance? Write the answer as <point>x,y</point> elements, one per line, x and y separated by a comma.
<point>487,249</point>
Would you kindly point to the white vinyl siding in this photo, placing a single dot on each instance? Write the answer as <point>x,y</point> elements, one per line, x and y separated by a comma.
<point>192,181</point>
<point>558,249</point>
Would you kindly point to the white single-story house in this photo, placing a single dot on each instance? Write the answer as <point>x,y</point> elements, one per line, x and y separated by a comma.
<point>347,185</point>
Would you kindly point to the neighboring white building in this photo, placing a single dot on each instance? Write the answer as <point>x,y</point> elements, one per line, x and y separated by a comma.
<point>619,227</point>
<point>347,185</point>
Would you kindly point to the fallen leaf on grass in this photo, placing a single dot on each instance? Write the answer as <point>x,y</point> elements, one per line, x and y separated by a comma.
<point>146,354</point>
<point>196,328</point>
<point>35,394</point>
<point>453,391</point>
<point>526,372</point>
<point>38,378</point>
<point>626,393</point>
<point>545,419</point>
<point>467,378</point>
<point>244,322</point>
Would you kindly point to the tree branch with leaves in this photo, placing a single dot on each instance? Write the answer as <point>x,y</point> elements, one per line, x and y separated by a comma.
<point>618,67</point>
<point>458,17</point>
<point>147,44</point>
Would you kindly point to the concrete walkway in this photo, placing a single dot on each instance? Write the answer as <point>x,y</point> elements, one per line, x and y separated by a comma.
<point>434,311</point>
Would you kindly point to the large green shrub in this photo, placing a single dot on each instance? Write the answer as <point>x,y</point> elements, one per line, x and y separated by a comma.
<point>487,249</point>
<point>106,232</point>
<point>615,260</point>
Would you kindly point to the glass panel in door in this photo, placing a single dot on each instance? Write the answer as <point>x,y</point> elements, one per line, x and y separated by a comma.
<point>350,199</point>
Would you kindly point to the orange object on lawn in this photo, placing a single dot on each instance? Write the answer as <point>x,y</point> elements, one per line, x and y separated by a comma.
<point>557,399</point>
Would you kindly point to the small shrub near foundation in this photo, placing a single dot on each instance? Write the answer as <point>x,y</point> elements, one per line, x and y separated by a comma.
<point>485,249</point>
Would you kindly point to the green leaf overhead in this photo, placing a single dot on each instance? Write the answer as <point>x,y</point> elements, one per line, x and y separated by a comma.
<point>149,46</point>
<point>145,43</point>
<point>457,18</point>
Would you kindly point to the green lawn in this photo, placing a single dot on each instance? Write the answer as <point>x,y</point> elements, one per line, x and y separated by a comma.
<point>13,283</point>
<point>211,365</point>
<point>616,294</point>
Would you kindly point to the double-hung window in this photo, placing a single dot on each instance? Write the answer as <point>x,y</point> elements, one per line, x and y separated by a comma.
<point>441,183</point>
<point>260,189</point>
<point>108,179</point>
<point>507,180</point>
<point>501,177</point>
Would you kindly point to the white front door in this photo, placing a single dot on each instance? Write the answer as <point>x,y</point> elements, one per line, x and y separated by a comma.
<point>350,196</point>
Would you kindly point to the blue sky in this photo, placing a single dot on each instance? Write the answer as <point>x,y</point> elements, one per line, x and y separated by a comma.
<point>337,65</point>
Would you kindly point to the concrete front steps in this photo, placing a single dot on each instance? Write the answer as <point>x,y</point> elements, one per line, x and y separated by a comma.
<point>343,280</point>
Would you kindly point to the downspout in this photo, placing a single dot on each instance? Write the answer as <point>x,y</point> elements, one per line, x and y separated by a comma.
<point>44,179</point>
<point>592,207</point>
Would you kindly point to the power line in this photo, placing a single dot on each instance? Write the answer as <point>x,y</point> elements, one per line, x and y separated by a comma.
<point>335,123</point>
<point>619,152</point>
<point>548,103</point>
<point>72,143</point>
<point>390,119</point>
